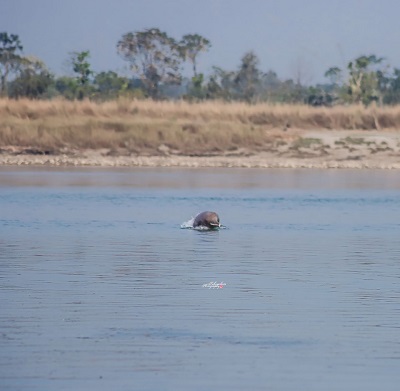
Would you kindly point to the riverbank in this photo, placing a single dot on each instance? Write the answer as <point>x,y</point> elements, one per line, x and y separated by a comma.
<point>190,162</point>
<point>352,150</point>
<point>206,134</point>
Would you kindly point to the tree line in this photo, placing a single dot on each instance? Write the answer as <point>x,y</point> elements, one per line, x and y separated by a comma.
<point>156,63</point>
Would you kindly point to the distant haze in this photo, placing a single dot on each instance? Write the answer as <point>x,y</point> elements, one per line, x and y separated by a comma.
<point>296,39</point>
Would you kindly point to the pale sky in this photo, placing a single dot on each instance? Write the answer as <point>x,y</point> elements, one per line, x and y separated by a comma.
<point>288,36</point>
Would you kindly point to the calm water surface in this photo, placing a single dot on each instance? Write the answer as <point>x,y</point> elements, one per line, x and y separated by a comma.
<point>101,289</point>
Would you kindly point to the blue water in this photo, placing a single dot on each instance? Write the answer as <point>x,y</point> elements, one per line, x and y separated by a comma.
<point>101,289</point>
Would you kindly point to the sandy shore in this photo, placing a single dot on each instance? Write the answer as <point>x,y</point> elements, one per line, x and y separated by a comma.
<point>325,149</point>
<point>262,160</point>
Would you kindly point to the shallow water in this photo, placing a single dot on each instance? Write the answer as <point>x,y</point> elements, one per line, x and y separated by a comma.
<point>101,289</point>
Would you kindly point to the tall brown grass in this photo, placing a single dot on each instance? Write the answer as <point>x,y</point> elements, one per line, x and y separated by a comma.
<point>140,126</point>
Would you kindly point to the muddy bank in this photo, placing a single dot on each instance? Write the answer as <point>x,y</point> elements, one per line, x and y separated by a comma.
<point>323,149</point>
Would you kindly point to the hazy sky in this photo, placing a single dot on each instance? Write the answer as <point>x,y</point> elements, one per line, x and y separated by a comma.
<point>288,36</point>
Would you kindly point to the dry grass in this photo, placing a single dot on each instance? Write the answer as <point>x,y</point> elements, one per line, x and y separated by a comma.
<point>190,128</point>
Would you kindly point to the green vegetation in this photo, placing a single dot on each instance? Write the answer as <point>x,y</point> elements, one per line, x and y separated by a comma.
<point>354,140</point>
<point>154,58</point>
<point>191,46</point>
<point>81,67</point>
<point>156,61</point>
<point>306,142</point>
<point>10,59</point>
<point>364,83</point>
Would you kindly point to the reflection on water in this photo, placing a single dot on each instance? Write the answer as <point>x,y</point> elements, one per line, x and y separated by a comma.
<point>210,178</point>
<point>101,289</point>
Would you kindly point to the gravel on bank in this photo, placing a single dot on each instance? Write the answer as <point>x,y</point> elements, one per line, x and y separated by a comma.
<point>263,160</point>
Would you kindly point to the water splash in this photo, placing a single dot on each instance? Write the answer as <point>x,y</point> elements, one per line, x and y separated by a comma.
<point>189,225</point>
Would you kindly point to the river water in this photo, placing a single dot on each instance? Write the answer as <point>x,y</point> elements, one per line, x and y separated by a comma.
<point>101,289</point>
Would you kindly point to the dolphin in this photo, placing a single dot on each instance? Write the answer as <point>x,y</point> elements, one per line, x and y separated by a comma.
<point>207,219</point>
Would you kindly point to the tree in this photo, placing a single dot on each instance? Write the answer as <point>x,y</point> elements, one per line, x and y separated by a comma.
<point>248,78</point>
<point>10,46</point>
<point>196,89</point>
<point>335,89</point>
<point>81,67</point>
<point>391,88</point>
<point>109,85</point>
<point>319,95</point>
<point>269,85</point>
<point>32,81</point>
<point>334,74</point>
<point>221,84</point>
<point>154,57</point>
<point>365,82</point>
<point>243,84</point>
<point>190,46</point>
<point>67,87</point>
<point>362,85</point>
